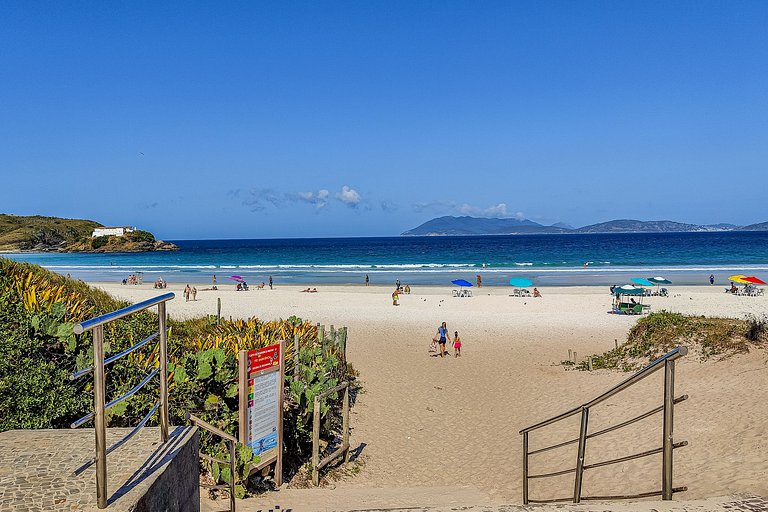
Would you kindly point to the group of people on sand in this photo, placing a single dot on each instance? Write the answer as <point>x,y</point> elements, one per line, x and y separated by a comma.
<point>442,337</point>
<point>160,283</point>
<point>399,288</point>
<point>190,291</point>
<point>131,279</point>
<point>313,290</point>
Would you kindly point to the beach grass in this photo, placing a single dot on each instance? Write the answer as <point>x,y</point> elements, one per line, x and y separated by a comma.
<point>660,332</point>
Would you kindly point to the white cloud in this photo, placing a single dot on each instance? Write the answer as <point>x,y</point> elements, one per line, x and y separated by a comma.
<point>497,211</point>
<point>319,199</point>
<point>348,196</point>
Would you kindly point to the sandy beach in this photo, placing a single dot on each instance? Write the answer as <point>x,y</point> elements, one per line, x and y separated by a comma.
<point>453,423</point>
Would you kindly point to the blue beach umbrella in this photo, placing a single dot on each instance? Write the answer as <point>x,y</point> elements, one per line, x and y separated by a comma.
<point>642,281</point>
<point>461,282</point>
<point>659,280</point>
<point>520,282</point>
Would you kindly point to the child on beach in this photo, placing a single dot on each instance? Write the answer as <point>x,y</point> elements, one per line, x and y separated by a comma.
<point>456,344</point>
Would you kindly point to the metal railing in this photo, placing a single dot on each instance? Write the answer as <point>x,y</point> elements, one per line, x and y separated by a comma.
<point>99,388</point>
<point>666,361</point>
<point>232,442</point>
<point>318,464</point>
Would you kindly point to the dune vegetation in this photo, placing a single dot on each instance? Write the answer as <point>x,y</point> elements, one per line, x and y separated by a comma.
<point>39,351</point>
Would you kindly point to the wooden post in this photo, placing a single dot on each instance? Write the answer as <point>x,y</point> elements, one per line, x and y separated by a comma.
<point>616,343</point>
<point>333,338</point>
<point>296,356</point>
<point>218,310</point>
<point>589,364</point>
<point>574,357</point>
<point>316,443</point>
<point>280,399</point>
<point>345,424</point>
<point>570,355</point>
<point>232,465</point>
<point>242,390</point>
<point>321,335</point>
<point>344,344</point>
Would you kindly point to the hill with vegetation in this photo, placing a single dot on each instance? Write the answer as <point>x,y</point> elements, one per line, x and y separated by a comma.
<point>659,332</point>
<point>38,233</point>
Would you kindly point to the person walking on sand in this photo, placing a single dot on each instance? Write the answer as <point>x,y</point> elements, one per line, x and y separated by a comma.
<point>270,282</point>
<point>366,279</point>
<point>711,278</point>
<point>186,293</point>
<point>194,293</point>
<point>214,282</point>
<point>442,335</point>
<point>456,344</point>
<point>479,281</point>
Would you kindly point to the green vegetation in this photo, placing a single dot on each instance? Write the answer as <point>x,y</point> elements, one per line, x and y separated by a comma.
<point>140,236</point>
<point>42,233</point>
<point>38,351</point>
<point>660,332</point>
<point>38,233</point>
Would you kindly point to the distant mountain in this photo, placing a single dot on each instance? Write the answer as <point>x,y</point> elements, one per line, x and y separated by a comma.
<point>639,226</point>
<point>762,226</point>
<point>449,225</point>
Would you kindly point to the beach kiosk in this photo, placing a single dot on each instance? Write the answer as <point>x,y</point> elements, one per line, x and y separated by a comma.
<point>628,300</point>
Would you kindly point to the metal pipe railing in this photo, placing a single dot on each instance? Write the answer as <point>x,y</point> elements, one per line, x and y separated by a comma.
<point>99,385</point>
<point>121,313</point>
<point>117,400</point>
<point>667,448</point>
<point>112,359</point>
<point>640,375</point>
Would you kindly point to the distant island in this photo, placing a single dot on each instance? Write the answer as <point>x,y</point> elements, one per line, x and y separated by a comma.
<point>449,225</point>
<point>53,234</point>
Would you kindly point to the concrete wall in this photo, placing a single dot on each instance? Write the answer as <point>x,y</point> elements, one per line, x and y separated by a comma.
<point>177,488</point>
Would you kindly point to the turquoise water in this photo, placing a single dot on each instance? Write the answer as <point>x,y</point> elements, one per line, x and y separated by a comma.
<point>548,259</point>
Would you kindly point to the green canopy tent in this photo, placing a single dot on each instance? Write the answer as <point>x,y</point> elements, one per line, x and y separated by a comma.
<point>631,306</point>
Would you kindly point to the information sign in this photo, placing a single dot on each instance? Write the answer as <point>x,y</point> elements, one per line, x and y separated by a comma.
<point>261,404</point>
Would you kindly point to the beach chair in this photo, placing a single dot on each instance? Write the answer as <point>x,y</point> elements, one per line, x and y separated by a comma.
<point>455,293</point>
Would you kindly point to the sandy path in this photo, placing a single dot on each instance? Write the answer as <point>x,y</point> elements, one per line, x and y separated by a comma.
<point>450,423</point>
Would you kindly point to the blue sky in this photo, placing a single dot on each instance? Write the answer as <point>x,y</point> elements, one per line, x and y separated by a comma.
<point>293,119</point>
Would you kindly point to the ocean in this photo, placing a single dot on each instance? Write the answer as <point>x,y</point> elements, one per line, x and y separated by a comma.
<point>685,258</point>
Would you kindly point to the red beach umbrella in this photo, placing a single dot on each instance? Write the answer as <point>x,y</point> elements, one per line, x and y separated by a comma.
<point>754,280</point>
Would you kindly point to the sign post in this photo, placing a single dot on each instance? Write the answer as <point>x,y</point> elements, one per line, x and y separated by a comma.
<point>261,386</point>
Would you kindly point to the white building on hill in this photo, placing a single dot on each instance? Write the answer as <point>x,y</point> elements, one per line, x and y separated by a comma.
<point>112,231</point>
